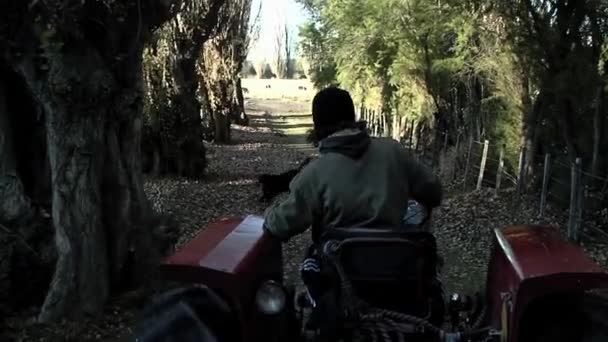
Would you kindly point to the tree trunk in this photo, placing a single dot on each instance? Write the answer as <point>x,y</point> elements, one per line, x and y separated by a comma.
<point>26,235</point>
<point>222,127</point>
<point>190,154</point>
<point>15,204</point>
<point>206,111</point>
<point>219,83</point>
<point>75,140</point>
<point>98,199</point>
<point>85,75</point>
<point>597,130</point>
<point>530,128</point>
<point>239,115</point>
<point>179,137</point>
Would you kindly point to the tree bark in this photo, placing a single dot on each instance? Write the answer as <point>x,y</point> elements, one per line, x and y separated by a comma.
<point>75,140</point>
<point>531,117</point>
<point>222,127</point>
<point>597,129</point>
<point>220,86</point>
<point>223,58</point>
<point>239,116</point>
<point>88,83</point>
<point>26,236</point>
<point>15,204</point>
<point>190,159</point>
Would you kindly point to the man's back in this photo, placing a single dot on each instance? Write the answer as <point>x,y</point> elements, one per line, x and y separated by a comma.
<point>357,181</point>
<point>371,191</point>
<point>338,190</point>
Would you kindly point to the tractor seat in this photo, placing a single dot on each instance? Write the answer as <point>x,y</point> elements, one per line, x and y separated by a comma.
<point>391,269</point>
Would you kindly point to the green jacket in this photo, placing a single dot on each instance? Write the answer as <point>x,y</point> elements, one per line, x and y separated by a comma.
<point>357,181</point>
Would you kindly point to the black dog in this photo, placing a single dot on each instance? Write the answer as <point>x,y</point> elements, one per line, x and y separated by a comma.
<point>272,185</point>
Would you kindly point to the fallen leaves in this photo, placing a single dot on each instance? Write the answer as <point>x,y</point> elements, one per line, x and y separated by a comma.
<point>464,229</point>
<point>463,225</point>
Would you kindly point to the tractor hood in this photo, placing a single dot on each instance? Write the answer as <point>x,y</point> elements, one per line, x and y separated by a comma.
<point>230,255</point>
<point>531,262</point>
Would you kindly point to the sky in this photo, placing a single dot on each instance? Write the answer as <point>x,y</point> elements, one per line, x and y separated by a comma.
<point>274,13</point>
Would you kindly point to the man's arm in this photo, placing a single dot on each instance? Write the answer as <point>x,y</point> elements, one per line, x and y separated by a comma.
<point>425,186</point>
<point>296,213</point>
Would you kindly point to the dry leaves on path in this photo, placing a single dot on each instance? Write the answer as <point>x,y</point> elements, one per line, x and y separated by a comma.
<point>464,229</point>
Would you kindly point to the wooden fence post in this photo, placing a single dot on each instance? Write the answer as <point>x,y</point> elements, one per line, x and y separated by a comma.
<point>543,194</point>
<point>580,195</point>
<point>417,145</point>
<point>411,135</point>
<point>501,165</point>
<point>482,166</point>
<point>521,170</point>
<point>378,116</point>
<point>456,157</point>
<point>404,133</point>
<point>394,128</point>
<point>466,166</point>
<point>370,120</point>
<point>385,127</point>
<point>364,117</point>
<point>574,189</point>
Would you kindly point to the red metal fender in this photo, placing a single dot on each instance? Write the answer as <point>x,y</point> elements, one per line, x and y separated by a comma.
<point>232,256</point>
<point>529,262</point>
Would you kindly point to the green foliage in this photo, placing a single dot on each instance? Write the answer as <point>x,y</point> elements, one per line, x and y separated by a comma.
<point>158,81</point>
<point>315,47</point>
<point>470,66</point>
<point>418,58</point>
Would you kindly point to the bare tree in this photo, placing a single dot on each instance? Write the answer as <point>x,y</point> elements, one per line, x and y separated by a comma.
<point>278,63</point>
<point>305,67</point>
<point>260,67</point>
<point>173,132</point>
<point>253,35</point>
<point>222,60</point>
<point>287,46</point>
<point>282,63</point>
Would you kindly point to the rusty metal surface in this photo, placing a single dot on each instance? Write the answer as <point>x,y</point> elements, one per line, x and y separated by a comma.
<point>243,243</point>
<point>529,262</point>
<point>536,251</point>
<point>196,249</point>
<point>232,256</point>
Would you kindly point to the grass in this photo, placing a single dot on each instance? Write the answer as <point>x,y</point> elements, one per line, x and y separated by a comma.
<point>279,89</point>
<point>284,107</point>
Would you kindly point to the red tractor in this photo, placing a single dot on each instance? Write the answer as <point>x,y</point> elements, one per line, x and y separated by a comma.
<point>386,289</point>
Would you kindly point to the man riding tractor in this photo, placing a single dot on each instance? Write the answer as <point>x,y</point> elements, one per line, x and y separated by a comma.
<point>357,182</point>
<point>371,274</point>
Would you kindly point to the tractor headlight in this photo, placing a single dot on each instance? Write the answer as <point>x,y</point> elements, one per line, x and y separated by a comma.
<point>270,298</point>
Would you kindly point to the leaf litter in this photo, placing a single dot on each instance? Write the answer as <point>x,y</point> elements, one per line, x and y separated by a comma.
<point>463,226</point>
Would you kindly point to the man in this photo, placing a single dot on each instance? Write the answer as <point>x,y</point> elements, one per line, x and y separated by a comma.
<point>357,181</point>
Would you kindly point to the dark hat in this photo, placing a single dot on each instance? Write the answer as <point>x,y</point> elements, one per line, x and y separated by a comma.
<point>332,107</point>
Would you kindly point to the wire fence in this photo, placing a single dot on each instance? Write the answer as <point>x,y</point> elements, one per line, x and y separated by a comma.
<point>561,184</point>
<point>555,181</point>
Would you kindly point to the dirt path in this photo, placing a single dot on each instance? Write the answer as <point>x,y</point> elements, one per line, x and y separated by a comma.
<point>275,142</point>
<point>290,120</point>
<point>464,253</point>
